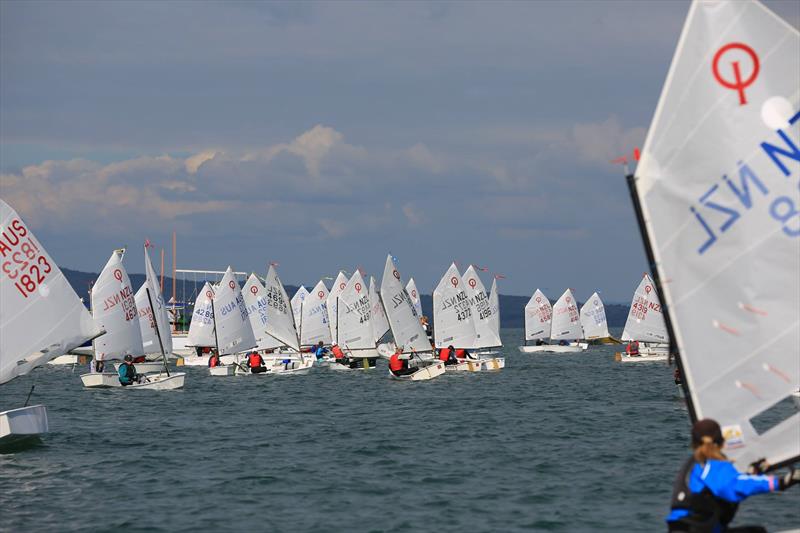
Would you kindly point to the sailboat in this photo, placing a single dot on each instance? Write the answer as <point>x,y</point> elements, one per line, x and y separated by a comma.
<point>41,318</point>
<point>494,305</point>
<point>280,325</point>
<point>486,323</point>
<point>411,289</point>
<point>406,328</point>
<point>645,324</point>
<point>313,326</point>
<point>566,325</point>
<point>716,197</point>
<point>232,330</point>
<point>336,289</point>
<point>152,321</point>
<point>594,322</point>
<point>297,302</point>
<point>355,335</point>
<point>201,328</point>
<point>380,325</point>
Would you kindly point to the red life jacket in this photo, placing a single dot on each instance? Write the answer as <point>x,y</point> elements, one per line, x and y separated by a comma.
<point>461,354</point>
<point>140,359</point>
<point>632,348</point>
<point>337,352</point>
<point>255,360</point>
<point>395,363</point>
<point>213,361</point>
<point>444,354</point>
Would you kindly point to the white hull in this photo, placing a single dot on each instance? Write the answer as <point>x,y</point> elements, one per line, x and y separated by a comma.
<point>294,367</point>
<point>554,348</point>
<point>144,368</point>
<point>19,425</point>
<point>193,360</point>
<point>478,365</point>
<point>425,373</point>
<point>227,370</point>
<point>66,359</point>
<point>643,358</point>
<point>153,381</point>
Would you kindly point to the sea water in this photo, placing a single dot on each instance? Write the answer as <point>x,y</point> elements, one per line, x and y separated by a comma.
<point>558,442</point>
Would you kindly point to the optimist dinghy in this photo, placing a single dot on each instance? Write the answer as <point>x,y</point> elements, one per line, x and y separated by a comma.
<point>716,196</point>
<point>41,318</point>
<point>594,323</point>
<point>558,323</point>
<point>232,331</point>
<point>645,324</point>
<point>356,337</point>
<point>538,315</point>
<point>487,341</point>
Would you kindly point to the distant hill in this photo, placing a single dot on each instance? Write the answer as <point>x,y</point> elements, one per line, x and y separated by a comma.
<point>512,308</point>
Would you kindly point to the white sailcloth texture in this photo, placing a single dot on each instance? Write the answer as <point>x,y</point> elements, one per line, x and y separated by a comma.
<point>538,314</point>
<point>297,302</point>
<point>593,318</point>
<point>403,318</point>
<point>355,315</point>
<point>411,289</point>
<point>41,317</point>
<point>338,286</point>
<point>234,333</point>
<point>566,319</point>
<point>255,301</point>
<point>718,186</point>
<point>645,319</point>
<point>313,325</point>
<point>280,319</point>
<point>114,311</point>
<point>452,315</point>
<point>494,305</point>
<point>201,328</point>
<point>379,323</point>
<point>486,335</point>
<point>160,312</point>
<point>147,324</point>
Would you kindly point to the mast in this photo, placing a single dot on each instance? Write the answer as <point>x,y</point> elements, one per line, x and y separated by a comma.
<point>214,318</point>
<point>651,261</point>
<point>158,333</point>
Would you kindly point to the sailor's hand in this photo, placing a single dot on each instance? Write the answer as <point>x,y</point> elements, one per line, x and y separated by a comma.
<point>758,467</point>
<point>792,477</point>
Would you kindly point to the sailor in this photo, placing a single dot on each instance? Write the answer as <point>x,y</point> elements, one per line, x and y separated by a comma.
<point>399,366</point>
<point>99,366</point>
<point>338,354</point>
<point>563,342</point>
<point>632,349</point>
<point>463,353</point>
<point>540,342</point>
<point>448,355</point>
<point>320,351</point>
<point>677,376</point>
<point>256,363</point>
<point>127,372</point>
<point>214,360</point>
<point>708,488</point>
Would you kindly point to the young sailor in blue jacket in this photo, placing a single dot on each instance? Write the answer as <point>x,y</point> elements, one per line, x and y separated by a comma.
<point>320,351</point>
<point>708,489</point>
<point>127,372</point>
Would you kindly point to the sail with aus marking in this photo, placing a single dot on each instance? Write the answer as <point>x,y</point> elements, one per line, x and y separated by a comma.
<point>483,318</point>
<point>538,314</point>
<point>411,289</point>
<point>452,316</point>
<point>400,312</point>
<point>201,328</point>
<point>255,301</point>
<point>355,312</point>
<point>717,188</point>
<point>566,324</point>
<point>380,326</point>
<point>645,318</point>
<point>338,286</point>
<point>593,319</point>
<point>114,311</point>
<point>234,333</point>
<point>313,326</point>
<point>41,317</point>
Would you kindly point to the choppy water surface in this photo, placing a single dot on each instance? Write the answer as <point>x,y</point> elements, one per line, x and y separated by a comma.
<point>553,442</point>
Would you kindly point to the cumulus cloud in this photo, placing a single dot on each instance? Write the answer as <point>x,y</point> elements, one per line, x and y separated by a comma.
<point>193,163</point>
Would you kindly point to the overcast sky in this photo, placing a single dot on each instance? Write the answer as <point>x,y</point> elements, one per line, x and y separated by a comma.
<point>325,135</point>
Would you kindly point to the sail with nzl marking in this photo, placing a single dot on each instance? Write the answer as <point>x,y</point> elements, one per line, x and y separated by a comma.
<point>411,289</point>
<point>566,322</point>
<point>114,310</point>
<point>313,325</point>
<point>452,316</point>
<point>538,314</point>
<point>201,328</point>
<point>716,194</point>
<point>380,326</point>
<point>333,297</point>
<point>400,312</point>
<point>355,312</point>
<point>41,317</point>
<point>486,336</point>
<point>645,318</point>
<point>255,301</point>
<point>593,319</point>
<point>234,333</point>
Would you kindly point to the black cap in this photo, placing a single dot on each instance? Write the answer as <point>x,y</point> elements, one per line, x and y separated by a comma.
<point>129,357</point>
<point>706,428</point>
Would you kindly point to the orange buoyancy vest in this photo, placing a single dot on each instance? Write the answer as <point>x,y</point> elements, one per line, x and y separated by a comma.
<point>337,352</point>
<point>632,348</point>
<point>395,363</point>
<point>444,354</point>
<point>461,354</point>
<point>214,361</point>
<point>255,360</point>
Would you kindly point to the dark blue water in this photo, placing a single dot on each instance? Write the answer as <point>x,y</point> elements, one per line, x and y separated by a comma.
<point>552,442</point>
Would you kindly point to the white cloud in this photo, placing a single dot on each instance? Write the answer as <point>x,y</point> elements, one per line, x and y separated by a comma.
<point>193,163</point>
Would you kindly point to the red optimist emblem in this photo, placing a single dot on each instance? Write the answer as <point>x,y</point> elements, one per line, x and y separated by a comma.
<point>647,289</point>
<point>321,295</point>
<point>254,289</point>
<point>342,286</point>
<point>737,83</point>
<point>454,281</point>
<point>208,294</point>
<point>569,299</point>
<point>396,274</point>
<point>118,274</point>
<point>472,282</point>
<point>232,285</point>
<point>413,294</point>
<point>358,287</point>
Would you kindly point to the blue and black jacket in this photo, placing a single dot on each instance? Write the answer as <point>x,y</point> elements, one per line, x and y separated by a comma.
<point>127,373</point>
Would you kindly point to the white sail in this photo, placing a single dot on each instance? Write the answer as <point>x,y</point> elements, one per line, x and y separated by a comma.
<point>718,187</point>
<point>297,302</point>
<point>234,333</point>
<point>313,326</point>
<point>157,317</point>
<point>255,301</point>
<point>41,317</point>
<point>538,314</point>
<point>494,305</point>
<point>403,318</point>
<point>355,315</point>
<point>411,289</point>
<point>593,319</point>
<point>486,335</point>
<point>280,318</point>
<point>645,319</point>
<point>452,315</point>
<point>338,286</point>
<point>201,328</point>
<point>379,323</point>
<point>566,319</point>
<point>114,311</point>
